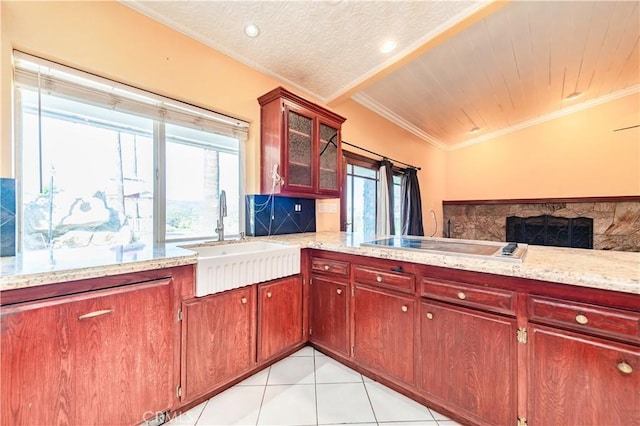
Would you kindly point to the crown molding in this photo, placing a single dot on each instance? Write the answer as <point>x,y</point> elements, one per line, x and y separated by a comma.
<point>551,116</point>
<point>376,107</point>
<point>379,109</point>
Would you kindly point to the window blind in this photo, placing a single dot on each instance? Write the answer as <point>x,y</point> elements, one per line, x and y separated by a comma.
<point>60,80</point>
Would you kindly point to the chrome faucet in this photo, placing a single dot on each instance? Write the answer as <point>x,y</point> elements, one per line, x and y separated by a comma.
<point>222,213</point>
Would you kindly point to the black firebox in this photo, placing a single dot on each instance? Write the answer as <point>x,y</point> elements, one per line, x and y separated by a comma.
<point>548,230</point>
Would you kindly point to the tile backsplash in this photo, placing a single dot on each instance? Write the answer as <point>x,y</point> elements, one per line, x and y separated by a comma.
<point>7,217</point>
<point>275,215</point>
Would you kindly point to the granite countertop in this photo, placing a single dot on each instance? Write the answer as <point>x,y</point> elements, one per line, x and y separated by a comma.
<point>609,270</point>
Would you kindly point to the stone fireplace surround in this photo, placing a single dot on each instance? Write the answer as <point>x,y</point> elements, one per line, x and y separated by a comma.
<point>616,220</point>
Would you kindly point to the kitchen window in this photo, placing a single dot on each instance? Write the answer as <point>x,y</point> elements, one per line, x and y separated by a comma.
<point>359,195</point>
<point>100,163</point>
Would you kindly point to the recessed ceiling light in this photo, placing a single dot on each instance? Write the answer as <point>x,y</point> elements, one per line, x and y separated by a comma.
<point>573,96</point>
<point>388,46</point>
<point>251,30</point>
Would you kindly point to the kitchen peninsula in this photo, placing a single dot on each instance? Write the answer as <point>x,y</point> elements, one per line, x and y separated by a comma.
<point>483,341</point>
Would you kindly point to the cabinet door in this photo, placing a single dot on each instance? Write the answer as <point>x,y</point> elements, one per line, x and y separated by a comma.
<point>218,342</point>
<point>384,332</point>
<point>469,362</point>
<point>104,357</point>
<point>299,150</point>
<point>124,357</point>
<point>37,362</point>
<point>329,320</point>
<point>279,316</point>
<point>329,157</point>
<point>579,380</point>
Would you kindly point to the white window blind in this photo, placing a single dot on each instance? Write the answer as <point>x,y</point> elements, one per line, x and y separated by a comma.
<point>56,79</point>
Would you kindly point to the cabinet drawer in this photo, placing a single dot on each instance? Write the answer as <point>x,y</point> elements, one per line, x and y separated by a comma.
<point>490,299</point>
<point>585,317</point>
<point>335,267</point>
<point>385,278</point>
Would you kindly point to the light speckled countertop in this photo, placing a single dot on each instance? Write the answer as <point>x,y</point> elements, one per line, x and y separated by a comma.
<point>609,270</point>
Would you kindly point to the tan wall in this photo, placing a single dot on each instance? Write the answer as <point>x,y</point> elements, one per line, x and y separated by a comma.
<point>574,156</point>
<point>112,40</point>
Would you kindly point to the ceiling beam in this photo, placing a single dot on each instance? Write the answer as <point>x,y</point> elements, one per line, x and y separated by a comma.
<point>474,17</point>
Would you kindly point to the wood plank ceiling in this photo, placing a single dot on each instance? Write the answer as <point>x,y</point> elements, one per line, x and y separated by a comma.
<point>474,72</point>
<point>518,64</point>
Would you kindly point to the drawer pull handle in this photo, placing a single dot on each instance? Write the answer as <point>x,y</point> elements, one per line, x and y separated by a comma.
<point>379,278</point>
<point>339,291</point>
<point>581,319</point>
<point>625,368</point>
<point>95,314</point>
<point>269,294</point>
<point>243,300</point>
<point>326,267</point>
<point>461,295</point>
<point>429,315</point>
<point>404,308</point>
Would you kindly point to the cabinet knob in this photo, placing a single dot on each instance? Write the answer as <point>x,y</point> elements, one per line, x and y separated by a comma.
<point>461,295</point>
<point>269,294</point>
<point>326,267</point>
<point>625,368</point>
<point>429,315</point>
<point>404,308</point>
<point>243,300</point>
<point>339,291</point>
<point>379,278</point>
<point>581,319</point>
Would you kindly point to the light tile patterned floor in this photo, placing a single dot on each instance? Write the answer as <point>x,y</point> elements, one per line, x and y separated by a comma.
<point>309,388</point>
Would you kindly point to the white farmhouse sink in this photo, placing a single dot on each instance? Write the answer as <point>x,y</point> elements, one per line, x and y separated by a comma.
<point>231,265</point>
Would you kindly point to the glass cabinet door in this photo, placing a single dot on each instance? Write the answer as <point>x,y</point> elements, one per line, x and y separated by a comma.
<point>328,153</point>
<point>299,149</point>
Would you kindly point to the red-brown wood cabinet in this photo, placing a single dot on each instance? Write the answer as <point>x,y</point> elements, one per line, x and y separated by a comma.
<point>484,349</point>
<point>330,301</point>
<point>279,316</point>
<point>301,142</point>
<point>100,357</point>
<point>218,340</point>
<point>468,361</point>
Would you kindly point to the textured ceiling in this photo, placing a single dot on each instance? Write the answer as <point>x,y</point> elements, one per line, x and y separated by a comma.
<point>322,47</point>
<point>448,74</point>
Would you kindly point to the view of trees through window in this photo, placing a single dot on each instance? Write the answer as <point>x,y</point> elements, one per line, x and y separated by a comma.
<point>88,176</point>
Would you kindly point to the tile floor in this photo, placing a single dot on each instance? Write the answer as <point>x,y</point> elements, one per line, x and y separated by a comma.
<point>309,388</point>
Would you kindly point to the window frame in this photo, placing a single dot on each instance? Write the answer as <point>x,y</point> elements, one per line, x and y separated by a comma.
<point>352,158</point>
<point>159,141</point>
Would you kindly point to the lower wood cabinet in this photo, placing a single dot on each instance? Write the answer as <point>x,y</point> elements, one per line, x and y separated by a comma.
<point>384,335</point>
<point>329,314</point>
<point>279,316</point>
<point>101,357</point>
<point>576,379</point>
<point>218,340</point>
<point>468,362</point>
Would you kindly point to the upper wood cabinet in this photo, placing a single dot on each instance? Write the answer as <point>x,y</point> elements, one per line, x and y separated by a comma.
<point>301,142</point>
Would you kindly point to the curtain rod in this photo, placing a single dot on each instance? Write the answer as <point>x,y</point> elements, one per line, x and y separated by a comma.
<point>380,155</point>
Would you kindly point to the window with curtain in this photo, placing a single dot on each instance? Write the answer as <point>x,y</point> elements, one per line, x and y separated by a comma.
<point>104,164</point>
<point>358,207</point>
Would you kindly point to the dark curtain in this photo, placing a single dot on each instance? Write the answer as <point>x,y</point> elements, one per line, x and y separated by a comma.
<point>385,222</point>
<point>411,204</point>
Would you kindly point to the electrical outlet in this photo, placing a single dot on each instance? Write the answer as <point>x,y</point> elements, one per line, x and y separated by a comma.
<point>297,208</point>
